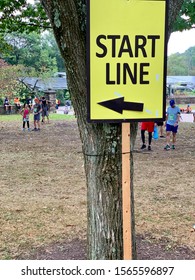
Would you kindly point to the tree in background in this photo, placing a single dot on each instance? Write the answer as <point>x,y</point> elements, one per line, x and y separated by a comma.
<point>31,50</point>
<point>62,95</point>
<point>101,142</point>
<point>190,61</point>
<point>21,16</point>
<point>10,85</point>
<point>5,48</point>
<point>49,43</point>
<point>35,55</point>
<point>182,64</point>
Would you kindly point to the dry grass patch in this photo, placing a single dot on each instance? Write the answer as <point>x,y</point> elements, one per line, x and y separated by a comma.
<point>43,190</point>
<point>164,189</point>
<point>43,193</point>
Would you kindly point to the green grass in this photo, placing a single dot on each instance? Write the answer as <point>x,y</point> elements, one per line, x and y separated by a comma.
<point>52,116</point>
<point>10,117</point>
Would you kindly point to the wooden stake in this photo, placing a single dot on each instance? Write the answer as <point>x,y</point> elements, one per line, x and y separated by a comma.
<point>126,192</point>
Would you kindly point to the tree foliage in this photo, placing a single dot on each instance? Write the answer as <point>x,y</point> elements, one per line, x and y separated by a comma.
<point>182,64</point>
<point>38,51</point>
<point>9,80</point>
<point>5,48</point>
<point>21,16</point>
<point>49,43</point>
<point>186,17</point>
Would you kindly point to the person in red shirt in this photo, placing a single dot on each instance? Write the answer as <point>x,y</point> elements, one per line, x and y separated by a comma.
<point>25,112</point>
<point>149,126</point>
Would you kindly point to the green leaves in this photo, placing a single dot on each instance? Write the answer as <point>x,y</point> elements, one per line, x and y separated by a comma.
<point>31,50</point>
<point>4,46</point>
<point>18,15</point>
<point>186,17</point>
<point>182,64</point>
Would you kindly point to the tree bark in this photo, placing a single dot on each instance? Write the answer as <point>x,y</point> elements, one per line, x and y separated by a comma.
<point>101,142</point>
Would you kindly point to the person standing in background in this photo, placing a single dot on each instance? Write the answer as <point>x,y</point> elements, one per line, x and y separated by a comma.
<point>6,105</point>
<point>172,119</point>
<point>36,111</point>
<point>160,125</point>
<point>25,112</point>
<point>149,126</point>
<point>45,109</point>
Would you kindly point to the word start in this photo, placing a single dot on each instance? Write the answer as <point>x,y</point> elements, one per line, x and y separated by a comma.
<point>116,46</point>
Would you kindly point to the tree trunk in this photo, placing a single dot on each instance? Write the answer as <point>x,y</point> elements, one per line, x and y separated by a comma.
<point>101,142</point>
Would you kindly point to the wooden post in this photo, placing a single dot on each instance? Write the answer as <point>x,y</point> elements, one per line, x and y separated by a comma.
<point>126,192</point>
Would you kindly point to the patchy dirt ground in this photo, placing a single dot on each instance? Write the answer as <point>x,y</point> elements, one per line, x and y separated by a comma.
<point>165,180</point>
<point>43,194</point>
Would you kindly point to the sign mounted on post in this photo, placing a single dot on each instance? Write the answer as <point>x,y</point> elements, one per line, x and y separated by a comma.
<point>126,60</point>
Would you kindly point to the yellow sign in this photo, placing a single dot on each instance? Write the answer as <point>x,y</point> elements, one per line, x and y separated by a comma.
<point>126,60</point>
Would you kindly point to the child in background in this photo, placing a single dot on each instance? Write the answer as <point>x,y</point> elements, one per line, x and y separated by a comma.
<point>188,109</point>
<point>37,111</point>
<point>25,112</point>
<point>45,109</point>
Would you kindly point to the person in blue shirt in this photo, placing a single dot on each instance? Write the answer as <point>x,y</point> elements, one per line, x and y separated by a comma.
<point>172,119</point>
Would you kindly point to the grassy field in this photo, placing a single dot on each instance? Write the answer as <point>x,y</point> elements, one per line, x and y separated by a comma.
<point>52,116</point>
<point>43,190</point>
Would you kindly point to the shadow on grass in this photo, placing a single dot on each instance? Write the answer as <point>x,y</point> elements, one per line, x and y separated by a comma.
<point>147,249</point>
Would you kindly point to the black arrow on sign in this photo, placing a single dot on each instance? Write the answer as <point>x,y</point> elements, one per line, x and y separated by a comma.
<point>118,105</point>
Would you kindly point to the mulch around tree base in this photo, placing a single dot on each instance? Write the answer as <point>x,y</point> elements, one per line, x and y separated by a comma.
<point>147,249</point>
